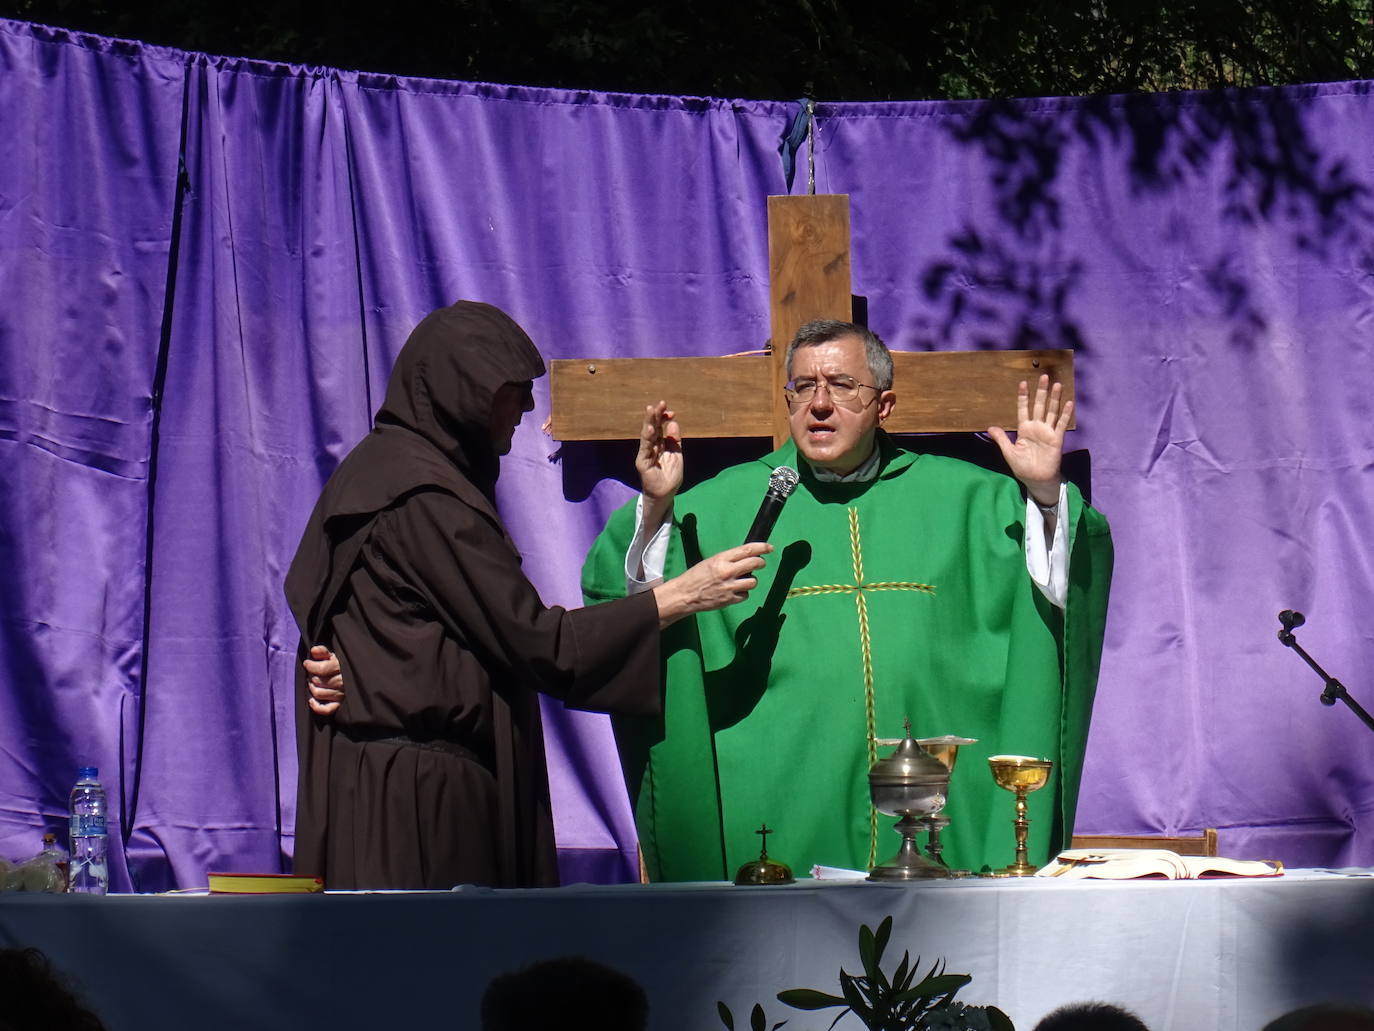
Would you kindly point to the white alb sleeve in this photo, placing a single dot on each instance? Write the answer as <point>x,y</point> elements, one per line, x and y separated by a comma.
<point>1049,566</point>
<point>647,555</point>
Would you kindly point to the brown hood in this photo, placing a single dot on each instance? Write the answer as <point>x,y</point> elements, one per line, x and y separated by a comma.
<point>432,433</point>
<point>446,376</point>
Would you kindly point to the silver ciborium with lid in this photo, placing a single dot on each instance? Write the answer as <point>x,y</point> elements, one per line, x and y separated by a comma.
<point>911,784</point>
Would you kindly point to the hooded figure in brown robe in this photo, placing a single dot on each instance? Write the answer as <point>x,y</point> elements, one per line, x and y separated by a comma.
<point>432,772</point>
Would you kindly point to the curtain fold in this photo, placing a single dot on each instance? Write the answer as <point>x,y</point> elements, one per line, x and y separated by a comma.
<point>89,131</point>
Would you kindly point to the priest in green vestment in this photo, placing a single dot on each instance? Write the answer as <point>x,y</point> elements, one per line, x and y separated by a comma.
<point>903,586</point>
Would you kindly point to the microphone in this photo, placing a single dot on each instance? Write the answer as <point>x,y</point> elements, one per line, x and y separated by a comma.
<point>781,483</point>
<point>1291,619</point>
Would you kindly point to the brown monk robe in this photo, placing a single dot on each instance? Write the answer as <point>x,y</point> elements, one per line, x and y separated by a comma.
<point>432,772</point>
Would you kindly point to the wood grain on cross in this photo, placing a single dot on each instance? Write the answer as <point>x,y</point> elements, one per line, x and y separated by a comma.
<point>741,395</point>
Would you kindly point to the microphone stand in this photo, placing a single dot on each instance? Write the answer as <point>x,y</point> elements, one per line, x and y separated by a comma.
<point>1334,688</point>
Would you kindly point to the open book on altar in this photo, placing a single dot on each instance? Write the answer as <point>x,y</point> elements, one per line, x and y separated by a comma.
<point>1124,864</point>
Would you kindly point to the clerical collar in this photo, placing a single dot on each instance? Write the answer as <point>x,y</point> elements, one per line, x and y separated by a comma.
<point>865,472</point>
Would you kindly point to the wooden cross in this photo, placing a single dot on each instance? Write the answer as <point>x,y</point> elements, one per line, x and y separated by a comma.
<point>808,267</point>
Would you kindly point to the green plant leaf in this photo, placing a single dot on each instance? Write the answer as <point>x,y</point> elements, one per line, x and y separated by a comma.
<point>880,944</point>
<point>936,971</point>
<point>757,1021</point>
<point>937,985</point>
<point>809,999</point>
<point>901,980</point>
<point>880,1004</point>
<point>866,952</point>
<point>870,992</point>
<point>998,1020</point>
<point>908,1011</point>
<point>726,1017</point>
<point>855,998</point>
<point>952,982</point>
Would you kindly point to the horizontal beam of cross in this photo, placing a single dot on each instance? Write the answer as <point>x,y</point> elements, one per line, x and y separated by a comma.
<point>937,392</point>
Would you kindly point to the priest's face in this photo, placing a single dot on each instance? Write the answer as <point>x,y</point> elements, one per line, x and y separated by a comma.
<point>836,434</point>
<point>508,406</point>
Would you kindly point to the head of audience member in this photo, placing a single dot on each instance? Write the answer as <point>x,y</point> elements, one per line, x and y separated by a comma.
<point>35,997</point>
<point>1326,1016</point>
<point>1091,1016</point>
<point>570,993</point>
<point>839,392</point>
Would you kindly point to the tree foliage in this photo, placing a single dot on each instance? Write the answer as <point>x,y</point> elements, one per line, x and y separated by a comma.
<point>776,49</point>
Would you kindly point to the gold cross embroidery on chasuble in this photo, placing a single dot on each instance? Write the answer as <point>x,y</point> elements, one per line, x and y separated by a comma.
<point>860,589</point>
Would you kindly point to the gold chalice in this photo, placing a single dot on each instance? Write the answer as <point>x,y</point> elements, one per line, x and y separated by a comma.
<point>1021,774</point>
<point>946,749</point>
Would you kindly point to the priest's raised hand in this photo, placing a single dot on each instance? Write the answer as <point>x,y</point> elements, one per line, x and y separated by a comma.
<point>659,463</point>
<point>1037,453</point>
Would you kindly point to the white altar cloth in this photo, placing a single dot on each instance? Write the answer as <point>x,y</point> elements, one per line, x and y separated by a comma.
<point>1185,955</point>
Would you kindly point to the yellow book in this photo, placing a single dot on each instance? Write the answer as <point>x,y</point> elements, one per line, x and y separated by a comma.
<point>263,884</point>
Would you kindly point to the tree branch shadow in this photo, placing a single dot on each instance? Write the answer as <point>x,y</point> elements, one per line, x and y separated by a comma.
<point>1010,284</point>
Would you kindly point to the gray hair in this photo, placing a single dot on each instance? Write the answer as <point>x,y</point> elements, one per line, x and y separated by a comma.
<point>825,331</point>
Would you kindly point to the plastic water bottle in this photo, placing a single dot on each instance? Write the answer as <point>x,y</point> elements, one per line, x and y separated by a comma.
<point>89,872</point>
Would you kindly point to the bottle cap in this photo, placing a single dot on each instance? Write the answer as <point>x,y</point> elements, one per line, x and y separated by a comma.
<point>88,772</point>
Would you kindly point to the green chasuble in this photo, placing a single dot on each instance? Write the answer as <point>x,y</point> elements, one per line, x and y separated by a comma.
<point>903,597</point>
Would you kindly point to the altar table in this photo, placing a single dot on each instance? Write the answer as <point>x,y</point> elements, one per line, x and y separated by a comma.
<point>1185,955</point>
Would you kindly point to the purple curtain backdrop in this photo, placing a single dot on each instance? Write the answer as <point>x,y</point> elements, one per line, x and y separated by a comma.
<point>210,264</point>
